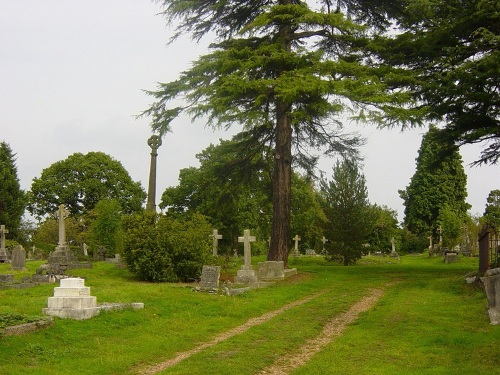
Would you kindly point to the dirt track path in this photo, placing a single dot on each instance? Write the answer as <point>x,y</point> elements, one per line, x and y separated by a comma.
<point>224,336</point>
<point>333,328</point>
<point>283,365</point>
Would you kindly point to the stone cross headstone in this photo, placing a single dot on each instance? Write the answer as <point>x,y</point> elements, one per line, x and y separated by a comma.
<point>440,230</point>
<point>296,247</point>
<point>324,240</point>
<point>85,249</point>
<point>18,261</point>
<point>246,275</point>
<point>216,237</point>
<point>247,253</point>
<point>61,214</point>
<point>3,250</point>
<point>394,254</point>
<point>154,142</point>
<point>209,278</point>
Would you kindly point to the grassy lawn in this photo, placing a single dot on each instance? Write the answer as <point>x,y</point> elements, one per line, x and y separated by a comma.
<point>429,321</point>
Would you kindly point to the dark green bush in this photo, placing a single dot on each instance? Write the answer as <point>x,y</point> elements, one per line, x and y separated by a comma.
<point>159,248</point>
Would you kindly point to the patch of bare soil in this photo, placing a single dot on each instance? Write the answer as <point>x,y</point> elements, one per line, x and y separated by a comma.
<point>284,365</point>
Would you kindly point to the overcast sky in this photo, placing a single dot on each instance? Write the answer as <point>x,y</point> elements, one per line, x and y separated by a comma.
<point>71,80</point>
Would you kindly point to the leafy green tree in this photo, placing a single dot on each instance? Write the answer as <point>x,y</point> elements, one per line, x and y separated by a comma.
<point>346,205</point>
<point>80,181</point>
<point>439,181</point>
<point>12,198</point>
<point>286,72</point>
<point>46,235</point>
<point>385,227</point>
<point>308,218</point>
<point>492,209</point>
<point>230,186</point>
<point>105,228</point>
<point>452,46</point>
<point>451,223</point>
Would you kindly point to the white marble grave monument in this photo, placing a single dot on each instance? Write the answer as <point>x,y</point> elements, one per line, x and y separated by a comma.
<point>72,300</point>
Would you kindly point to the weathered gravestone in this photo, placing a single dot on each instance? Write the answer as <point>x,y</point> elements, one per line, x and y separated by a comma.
<point>271,270</point>
<point>491,281</point>
<point>394,253</point>
<point>311,252</point>
<point>450,256</point>
<point>18,261</point>
<point>246,275</point>
<point>210,276</point>
<point>295,252</point>
<point>215,237</point>
<point>3,251</point>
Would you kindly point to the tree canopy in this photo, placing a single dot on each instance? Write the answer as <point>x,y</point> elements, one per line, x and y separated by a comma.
<point>286,73</point>
<point>452,46</point>
<point>12,198</point>
<point>82,180</point>
<point>438,182</point>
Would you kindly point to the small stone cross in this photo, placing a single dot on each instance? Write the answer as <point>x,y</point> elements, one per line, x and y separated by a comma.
<point>440,230</point>
<point>216,237</point>
<point>246,239</point>
<point>324,240</point>
<point>296,239</point>
<point>61,214</point>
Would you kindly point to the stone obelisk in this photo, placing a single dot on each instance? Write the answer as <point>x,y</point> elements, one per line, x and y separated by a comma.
<point>154,142</point>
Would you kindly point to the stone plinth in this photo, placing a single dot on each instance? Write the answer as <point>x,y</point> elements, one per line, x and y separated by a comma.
<point>62,255</point>
<point>72,300</point>
<point>271,270</point>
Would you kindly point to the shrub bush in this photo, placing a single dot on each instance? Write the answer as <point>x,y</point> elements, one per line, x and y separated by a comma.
<point>159,248</point>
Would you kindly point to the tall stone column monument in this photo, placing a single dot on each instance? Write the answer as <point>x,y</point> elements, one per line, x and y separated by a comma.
<point>154,142</point>
<point>62,256</point>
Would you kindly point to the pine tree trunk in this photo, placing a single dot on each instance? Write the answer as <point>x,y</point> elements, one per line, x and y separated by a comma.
<point>282,172</point>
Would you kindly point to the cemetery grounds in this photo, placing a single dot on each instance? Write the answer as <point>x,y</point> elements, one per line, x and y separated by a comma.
<point>382,316</point>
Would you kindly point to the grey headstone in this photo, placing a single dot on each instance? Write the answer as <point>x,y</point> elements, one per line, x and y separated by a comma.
<point>209,278</point>
<point>18,261</point>
<point>271,270</point>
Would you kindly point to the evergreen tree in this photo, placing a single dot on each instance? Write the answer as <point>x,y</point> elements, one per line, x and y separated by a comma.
<point>346,205</point>
<point>285,72</point>
<point>492,209</point>
<point>12,198</point>
<point>439,181</point>
<point>453,48</point>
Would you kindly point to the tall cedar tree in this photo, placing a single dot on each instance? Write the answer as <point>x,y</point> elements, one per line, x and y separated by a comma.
<point>286,73</point>
<point>350,220</point>
<point>439,181</point>
<point>453,47</point>
<point>12,198</point>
